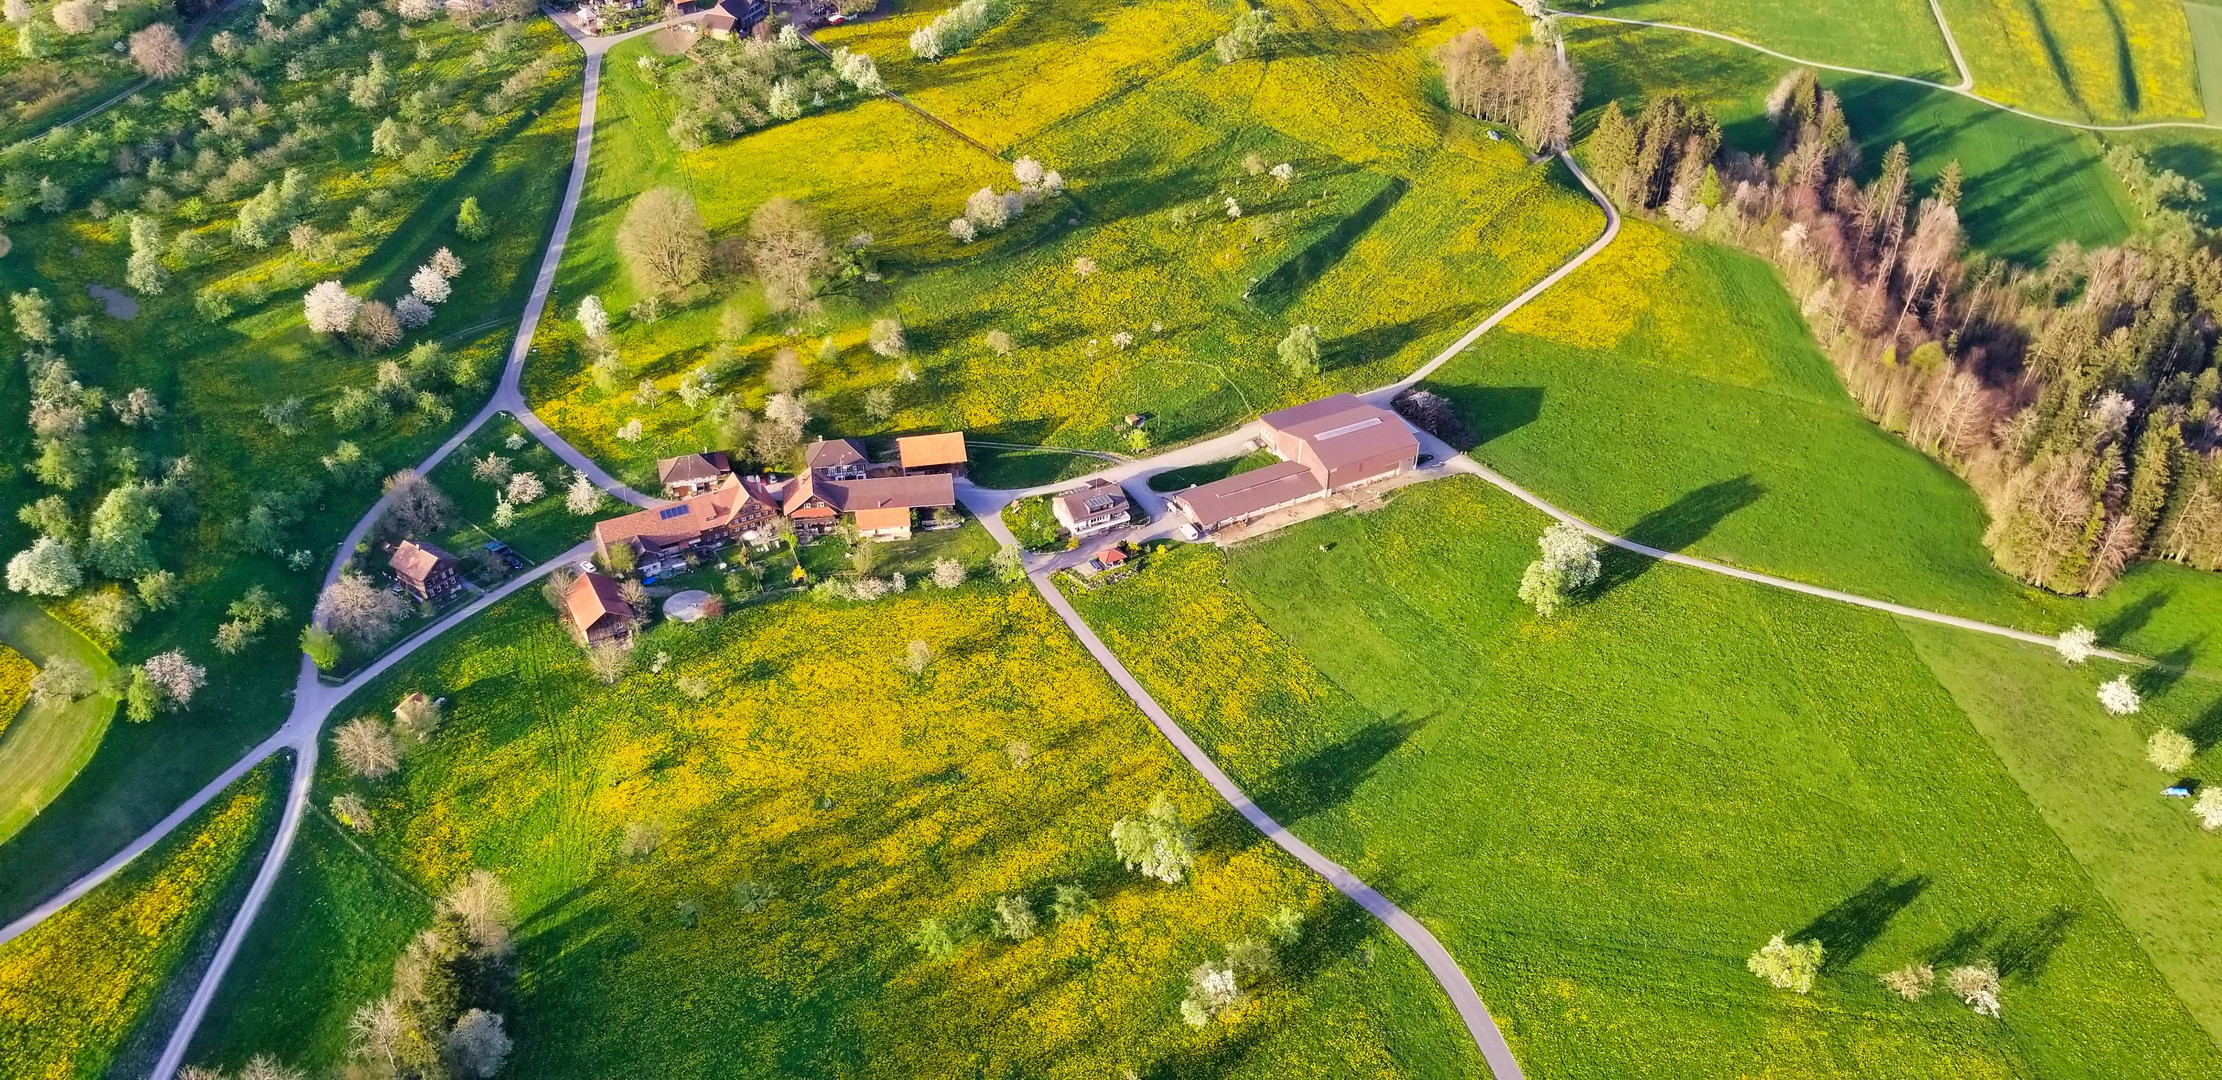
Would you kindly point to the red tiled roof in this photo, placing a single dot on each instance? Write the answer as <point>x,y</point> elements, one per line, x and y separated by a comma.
<point>924,451</point>
<point>415,562</point>
<point>876,493</point>
<point>1246,493</point>
<point>1342,430</point>
<point>667,526</point>
<point>594,597</point>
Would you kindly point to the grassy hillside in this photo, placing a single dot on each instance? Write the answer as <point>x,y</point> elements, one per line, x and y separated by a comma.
<point>867,799</point>
<point>1603,814</point>
<point>2087,774</point>
<point>215,366</point>
<point>1401,225</point>
<point>47,742</point>
<point>75,989</point>
<point>1899,36</point>
<point>2112,61</point>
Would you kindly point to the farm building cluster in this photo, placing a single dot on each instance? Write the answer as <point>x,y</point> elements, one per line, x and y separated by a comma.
<point>1326,447</point>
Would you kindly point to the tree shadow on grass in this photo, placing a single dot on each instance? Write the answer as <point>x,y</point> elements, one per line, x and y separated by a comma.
<point>1846,930</point>
<point>2206,731</point>
<point>2135,617</point>
<point>1674,528</point>
<point>2168,669</point>
<point>1332,773</point>
<point>2024,952</point>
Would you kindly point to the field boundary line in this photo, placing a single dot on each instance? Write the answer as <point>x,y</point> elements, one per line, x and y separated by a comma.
<point>1952,45</point>
<point>1967,92</point>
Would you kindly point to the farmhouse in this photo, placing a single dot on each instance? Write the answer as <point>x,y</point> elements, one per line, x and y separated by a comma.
<point>736,18</point>
<point>1326,446</point>
<point>835,459</point>
<point>882,505</point>
<point>662,536</point>
<point>693,474</point>
<point>426,572</point>
<point>943,452</point>
<point>1092,507</point>
<point>598,612</point>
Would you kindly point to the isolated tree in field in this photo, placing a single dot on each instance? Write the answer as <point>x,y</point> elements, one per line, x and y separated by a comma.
<point>2208,808</point>
<point>1001,342</point>
<point>492,469</point>
<point>477,1044</point>
<point>330,308</point>
<point>1569,565</point>
<point>2076,643</point>
<point>664,241</point>
<point>158,52</point>
<point>358,612</point>
<point>594,319</point>
<point>417,716</point>
<point>1251,31</point>
<point>470,221</point>
<point>789,252</point>
<point>348,809</point>
<point>1786,966</point>
<point>640,839</point>
<point>1212,990</point>
<point>414,507</point>
<point>887,337</point>
<point>366,749</point>
<point>1976,985</point>
<point>934,938</point>
<point>175,678</point>
<point>2120,698</point>
<point>1299,351</point>
<point>46,568</point>
<point>582,497</point>
<point>948,573</point>
<point>446,263</point>
<point>916,657</point>
<point>608,661</point>
<point>1155,842</point>
<point>2170,751</point>
<point>1009,567</point>
<point>481,903</point>
<point>524,488</point>
<point>61,681</point>
<point>1014,918</point>
<point>1911,982</point>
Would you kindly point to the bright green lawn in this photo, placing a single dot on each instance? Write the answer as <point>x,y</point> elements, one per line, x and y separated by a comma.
<point>215,379</point>
<point>1603,814</point>
<point>1898,36</point>
<point>46,744</point>
<point>2087,774</point>
<point>1190,476</point>
<point>868,799</point>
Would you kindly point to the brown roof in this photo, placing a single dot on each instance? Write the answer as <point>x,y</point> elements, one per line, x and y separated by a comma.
<point>922,451</point>
<point>692,467</point>
<point>1342,430</point>
<point>680,522</point>
<point>833,453</point>
<point>1246,493</point>
<point>592,598</point>
<point>875,519</point>
<point>418,562</point>
<point>877,493</point>
<point>1089,499</point>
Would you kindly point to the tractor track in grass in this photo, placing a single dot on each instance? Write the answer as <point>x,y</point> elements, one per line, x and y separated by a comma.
<point>315,700</point>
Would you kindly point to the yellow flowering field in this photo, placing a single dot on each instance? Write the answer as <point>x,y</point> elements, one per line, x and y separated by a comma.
<point>74,989</point>
<point>861,799</point>
<point>2110,60</point>
<point>1159,284</point>
<point>15,684</point>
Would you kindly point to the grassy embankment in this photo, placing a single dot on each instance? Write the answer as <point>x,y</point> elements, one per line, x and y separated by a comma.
<point>77,990</point>
<point>867,799</point>
<point>215,378</point>
<point>1400,224</point>
<point>1603,814</point>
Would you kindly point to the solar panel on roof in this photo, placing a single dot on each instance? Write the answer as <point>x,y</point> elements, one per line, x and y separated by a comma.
<point>1099,504</point>
<point>670,512</point>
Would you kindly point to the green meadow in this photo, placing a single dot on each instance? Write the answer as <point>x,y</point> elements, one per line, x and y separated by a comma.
<point>1602,814</point>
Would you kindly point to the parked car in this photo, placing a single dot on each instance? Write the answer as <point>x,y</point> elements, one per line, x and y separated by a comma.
<point>1191,532</point>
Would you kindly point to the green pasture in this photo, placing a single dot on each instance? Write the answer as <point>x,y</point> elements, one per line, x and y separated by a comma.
<point>867,799</point>
<point>46,744</point>
<point>1602,814</point>
<point>544,528</point>
<point>1898,36</point>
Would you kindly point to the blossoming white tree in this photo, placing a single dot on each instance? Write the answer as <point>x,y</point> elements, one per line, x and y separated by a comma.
<point>330,308</point>
<point>430,284</point>
<point>594,319</point>
<point>2117,696</point>
<point>1569,565</point>
<point>2076,643</point>
<point>2170,751</point>
<point>176,677</point>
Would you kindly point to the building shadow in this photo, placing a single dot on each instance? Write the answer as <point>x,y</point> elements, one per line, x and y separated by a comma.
<point>1846,930</point>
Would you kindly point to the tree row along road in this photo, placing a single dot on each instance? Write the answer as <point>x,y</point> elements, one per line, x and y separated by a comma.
<point>314,701</point>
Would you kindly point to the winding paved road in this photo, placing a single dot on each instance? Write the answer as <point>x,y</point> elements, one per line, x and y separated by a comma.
<point>314,701</point>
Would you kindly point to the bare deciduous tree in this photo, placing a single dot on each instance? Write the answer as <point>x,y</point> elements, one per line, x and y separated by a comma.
<point>789,253</point>
<point>158,51</point>
<point>664,240</point>
<point>358,612</point>
<point>367,748</point>
<point>414,507</point>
